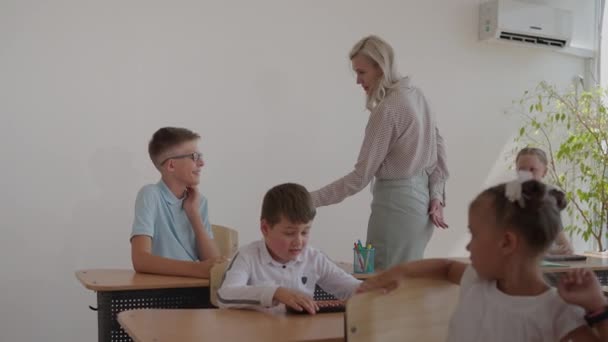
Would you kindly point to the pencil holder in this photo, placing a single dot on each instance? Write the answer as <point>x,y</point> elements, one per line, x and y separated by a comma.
<point>363,260</point>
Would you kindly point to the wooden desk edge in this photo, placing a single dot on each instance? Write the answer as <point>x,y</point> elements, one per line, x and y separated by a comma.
<point>79,276</point>
<point>112,288</point>
<point>560,269</point>
<point>571,265</point>
<point>123,316</point>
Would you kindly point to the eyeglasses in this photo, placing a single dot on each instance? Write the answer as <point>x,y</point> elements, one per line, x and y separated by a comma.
<point>195,156</point>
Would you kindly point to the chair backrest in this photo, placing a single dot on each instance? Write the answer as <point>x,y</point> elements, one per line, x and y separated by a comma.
<point>226,239</point>
<point>419,310</point>
<point>215,280</point>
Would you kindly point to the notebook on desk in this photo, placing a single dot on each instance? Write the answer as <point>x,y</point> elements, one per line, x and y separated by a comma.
<point>566,257</point>
<point>545,263</point>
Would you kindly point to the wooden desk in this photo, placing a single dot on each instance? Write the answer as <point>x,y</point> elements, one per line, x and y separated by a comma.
<point>592,263</point>
<point>598,265</point>
<point>119,290</point>
<point>229,325</point>
<point>122,280</point>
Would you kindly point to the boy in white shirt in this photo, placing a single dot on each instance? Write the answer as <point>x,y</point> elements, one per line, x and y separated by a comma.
<point>281,268</point>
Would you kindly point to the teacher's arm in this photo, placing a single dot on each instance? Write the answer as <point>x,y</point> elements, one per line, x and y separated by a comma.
<point>440,173</point>
<point>379,135</point>
<point>437,184</point>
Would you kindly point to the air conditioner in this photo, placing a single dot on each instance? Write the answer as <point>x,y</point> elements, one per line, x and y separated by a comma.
<point>525,23</point>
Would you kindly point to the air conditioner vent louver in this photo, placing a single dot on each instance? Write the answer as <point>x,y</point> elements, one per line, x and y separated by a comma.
<point>532,39</point>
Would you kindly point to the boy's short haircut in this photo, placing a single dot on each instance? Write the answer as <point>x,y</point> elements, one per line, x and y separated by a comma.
<point>167,138</point>
<point>288,200</point>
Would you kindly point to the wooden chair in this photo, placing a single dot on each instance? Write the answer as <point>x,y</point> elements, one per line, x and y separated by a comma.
<point>227,240</point>
<point>215,280</point>
<point>419,310</point>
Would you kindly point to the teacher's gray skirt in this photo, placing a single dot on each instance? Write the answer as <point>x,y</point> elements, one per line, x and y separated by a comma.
<point>399,226</point>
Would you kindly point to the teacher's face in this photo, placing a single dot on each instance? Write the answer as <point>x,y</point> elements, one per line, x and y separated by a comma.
<point>368,72</point>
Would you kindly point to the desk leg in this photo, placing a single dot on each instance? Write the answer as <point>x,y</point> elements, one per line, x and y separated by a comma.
<point>111,303</point>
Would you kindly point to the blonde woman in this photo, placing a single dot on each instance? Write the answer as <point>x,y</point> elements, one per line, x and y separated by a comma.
<point>403,150</point>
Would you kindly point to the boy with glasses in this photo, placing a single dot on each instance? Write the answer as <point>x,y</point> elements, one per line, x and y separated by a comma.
<point>171,231</point>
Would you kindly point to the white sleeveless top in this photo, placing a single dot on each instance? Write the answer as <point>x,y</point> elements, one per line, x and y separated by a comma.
<point>484,314</point>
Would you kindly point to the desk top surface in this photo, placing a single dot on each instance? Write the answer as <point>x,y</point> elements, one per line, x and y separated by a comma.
<point>187,325</point>
<point>122,280</point>
<point>592,263</point>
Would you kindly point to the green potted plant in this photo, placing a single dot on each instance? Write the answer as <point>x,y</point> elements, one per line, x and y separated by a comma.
<point>572,127</point>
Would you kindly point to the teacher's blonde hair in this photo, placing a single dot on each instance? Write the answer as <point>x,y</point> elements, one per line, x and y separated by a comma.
<point>382,55</point>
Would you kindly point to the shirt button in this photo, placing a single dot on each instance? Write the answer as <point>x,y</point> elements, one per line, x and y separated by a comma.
<point>284,266</point>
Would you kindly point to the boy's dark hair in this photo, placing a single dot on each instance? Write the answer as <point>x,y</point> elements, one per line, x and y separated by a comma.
<point>289,200</point>
<point>166,138</point>
<point>538,221</point>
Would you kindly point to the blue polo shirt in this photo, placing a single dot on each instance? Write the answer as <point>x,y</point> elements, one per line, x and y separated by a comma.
<point>159,214</point>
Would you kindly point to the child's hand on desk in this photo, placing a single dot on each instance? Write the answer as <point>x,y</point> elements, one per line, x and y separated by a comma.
<point>295,300</point>
<point>387,281</point>
<point>581,287</point>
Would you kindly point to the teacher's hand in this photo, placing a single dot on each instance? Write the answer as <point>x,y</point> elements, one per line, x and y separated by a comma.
<point>436,213</point>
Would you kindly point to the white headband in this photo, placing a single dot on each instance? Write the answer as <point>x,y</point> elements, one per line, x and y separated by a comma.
<point>513,188</point>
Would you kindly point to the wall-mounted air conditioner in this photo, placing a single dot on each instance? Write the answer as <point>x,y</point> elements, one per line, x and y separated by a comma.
<point>525,23</point>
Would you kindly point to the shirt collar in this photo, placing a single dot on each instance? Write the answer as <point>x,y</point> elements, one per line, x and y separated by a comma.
<point>168,196</point>
<point>268,260</point>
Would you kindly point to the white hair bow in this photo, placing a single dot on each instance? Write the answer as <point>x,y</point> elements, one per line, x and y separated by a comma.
<point>513,188</point>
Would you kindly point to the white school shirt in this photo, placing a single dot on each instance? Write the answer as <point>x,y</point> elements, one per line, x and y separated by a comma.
<point>484,314</point>
<point>253,276</point>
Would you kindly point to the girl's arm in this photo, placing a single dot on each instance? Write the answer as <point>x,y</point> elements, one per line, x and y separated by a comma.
<point>581,287</point>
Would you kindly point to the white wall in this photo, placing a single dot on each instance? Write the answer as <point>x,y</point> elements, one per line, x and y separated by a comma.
<point>83,84</point>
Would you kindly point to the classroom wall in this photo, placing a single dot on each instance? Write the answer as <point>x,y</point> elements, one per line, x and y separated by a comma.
<point>84,84</point>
